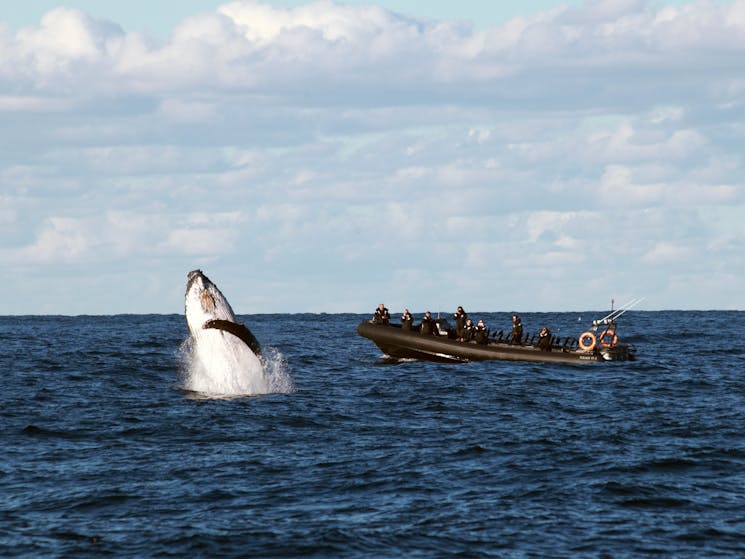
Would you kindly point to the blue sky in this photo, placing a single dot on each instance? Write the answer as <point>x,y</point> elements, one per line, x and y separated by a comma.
<point>160,17</point>
<point>329,156</point>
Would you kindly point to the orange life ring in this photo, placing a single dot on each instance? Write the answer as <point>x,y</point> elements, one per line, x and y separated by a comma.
<point>614,338</point>
<point>591,345</point>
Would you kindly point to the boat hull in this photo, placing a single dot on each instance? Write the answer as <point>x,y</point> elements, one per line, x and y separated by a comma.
<point>402,344</point>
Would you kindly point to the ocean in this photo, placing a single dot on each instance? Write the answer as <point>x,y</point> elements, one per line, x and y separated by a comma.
<point>107,454</point>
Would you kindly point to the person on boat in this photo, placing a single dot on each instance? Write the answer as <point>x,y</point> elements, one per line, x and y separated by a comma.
<point>428,324</point>
<point>460,318</point>
<point>481,334</point>
<point>517,330</point>
<point>381,316</point>
<point>544,339</point>
<point>406,320</point>
<point>469,331</point>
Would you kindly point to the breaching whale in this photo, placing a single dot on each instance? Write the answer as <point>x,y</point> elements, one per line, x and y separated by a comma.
<point>225,355</point>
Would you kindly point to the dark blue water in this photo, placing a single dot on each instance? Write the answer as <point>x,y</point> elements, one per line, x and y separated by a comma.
<point>104,454</point>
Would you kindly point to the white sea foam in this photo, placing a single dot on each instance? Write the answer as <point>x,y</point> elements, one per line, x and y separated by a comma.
<point>212,372</point>
<point>277,372</point>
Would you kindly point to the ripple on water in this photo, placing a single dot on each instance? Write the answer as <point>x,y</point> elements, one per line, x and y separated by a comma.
<point>107,455</point>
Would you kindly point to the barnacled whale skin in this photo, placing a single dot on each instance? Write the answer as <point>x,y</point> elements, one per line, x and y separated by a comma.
<point>207,308</point>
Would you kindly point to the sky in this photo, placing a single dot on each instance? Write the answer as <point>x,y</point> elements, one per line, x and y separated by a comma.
<point>328,156</point>
<point>159,18</point>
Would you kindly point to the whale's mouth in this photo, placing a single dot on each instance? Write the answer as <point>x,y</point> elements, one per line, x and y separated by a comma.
<point>195,275</point>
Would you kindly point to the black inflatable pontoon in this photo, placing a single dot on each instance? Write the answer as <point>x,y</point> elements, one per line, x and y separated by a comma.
<point>443,346</point>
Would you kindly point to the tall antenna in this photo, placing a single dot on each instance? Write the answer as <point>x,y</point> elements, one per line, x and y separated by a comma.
<point>614,314</point>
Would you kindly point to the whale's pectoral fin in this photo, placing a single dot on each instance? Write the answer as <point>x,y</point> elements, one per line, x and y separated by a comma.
<point>238,330</point>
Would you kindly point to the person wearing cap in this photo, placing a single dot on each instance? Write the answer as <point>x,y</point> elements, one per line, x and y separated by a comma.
<point>460,318</point>
<point>544,339</point>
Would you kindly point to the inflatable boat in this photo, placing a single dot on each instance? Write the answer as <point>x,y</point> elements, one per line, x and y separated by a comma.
<point>599,343</point>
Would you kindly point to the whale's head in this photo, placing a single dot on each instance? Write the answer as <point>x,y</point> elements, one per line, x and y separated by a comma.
<point>204,302</point>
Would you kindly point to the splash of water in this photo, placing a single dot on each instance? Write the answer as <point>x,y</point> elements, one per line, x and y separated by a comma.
<point>209,371</point>
<point>277,372</point>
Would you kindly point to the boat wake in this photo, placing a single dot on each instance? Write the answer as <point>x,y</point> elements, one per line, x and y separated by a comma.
<point>386,359</point>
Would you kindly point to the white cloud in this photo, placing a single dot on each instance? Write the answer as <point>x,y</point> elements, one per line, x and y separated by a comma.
<point>8,213</point>
<point>256,46</point>
<point>617,187</point>
<point>665,253</point>
<point>263,24</point>
<point>64,35</point>
<point>61,240</point>
<point>179,110</point>
<point>626,143</point>
<point>126,235</point>
<point>588,145</point>
<point>199,241</point>
<point>31,103</point>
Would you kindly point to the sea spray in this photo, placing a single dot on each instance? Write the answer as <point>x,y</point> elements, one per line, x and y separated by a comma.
<point>277,372</point>
<point>215,374</point>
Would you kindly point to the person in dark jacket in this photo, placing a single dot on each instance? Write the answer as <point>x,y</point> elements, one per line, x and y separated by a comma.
<point>381,316</point>
<point>517,330</point>
<point>428,324</point>
<point>469,331</point>
<point>460,318</point>
<point>406,320</point>
<point>481,335</point>
<point>544,339</point>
